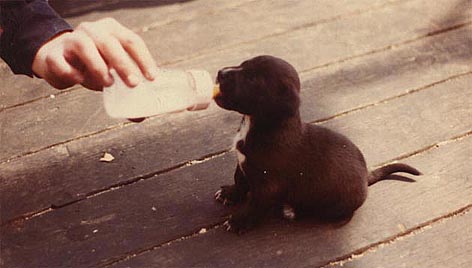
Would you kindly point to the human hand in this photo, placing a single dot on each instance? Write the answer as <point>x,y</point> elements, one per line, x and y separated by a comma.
<point>86,55</point>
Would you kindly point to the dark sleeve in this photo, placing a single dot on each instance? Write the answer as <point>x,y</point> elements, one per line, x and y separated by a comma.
<point>24,27</point>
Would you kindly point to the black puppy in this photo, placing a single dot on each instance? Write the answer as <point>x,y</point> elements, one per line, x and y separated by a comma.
<point>283,162</point>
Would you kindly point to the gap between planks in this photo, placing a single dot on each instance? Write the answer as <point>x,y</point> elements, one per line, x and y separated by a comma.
<point>404,235</point>
<point>131,255</point>
<point>339,261</point>
<point>411,91</point>
<point>137,30</point>
<point>224,152</point>
<point>117,186</point>
<point>209,51</point>
<point>287,31</point>
<point>302,72</point>
<point>219,154</point>
<point>154,25</point>
<point>392,46</point>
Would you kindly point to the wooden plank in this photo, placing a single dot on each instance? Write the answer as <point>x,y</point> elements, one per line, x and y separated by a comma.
<point>298,48</point>
<point>165,26</point>
<point>18,89</point>
<point>390,207</point>
<point>337,40</point>
<point>138,217</point>
<point>250,23</point>
<point>401,132</point>
<point>51,120</point>
<point>430,107</point>
<point>194,38</point>
<point>68,172</point>
<point>139,14</point>
<point>158,206</point>
<point>446,245</point>
<point>65,173</point>
<point>356,83</point>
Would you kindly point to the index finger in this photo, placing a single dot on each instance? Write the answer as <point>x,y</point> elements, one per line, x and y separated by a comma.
<point>84,48</point>
<point>139,52</point>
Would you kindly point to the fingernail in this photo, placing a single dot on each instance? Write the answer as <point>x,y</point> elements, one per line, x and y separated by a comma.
<point>133,80</point>
<point>152,74</point>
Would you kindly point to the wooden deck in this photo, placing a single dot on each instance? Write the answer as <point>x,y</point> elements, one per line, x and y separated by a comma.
<point>393,75</point>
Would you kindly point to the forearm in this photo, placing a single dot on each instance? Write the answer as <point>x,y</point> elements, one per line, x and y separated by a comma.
<point>26,26</point>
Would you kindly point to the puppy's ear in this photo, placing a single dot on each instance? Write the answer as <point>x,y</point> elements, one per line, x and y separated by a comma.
<point>282,102</point>
<point>289,97</point>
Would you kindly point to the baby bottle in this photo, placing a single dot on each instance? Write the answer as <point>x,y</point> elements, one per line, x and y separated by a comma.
<point>171,91</point>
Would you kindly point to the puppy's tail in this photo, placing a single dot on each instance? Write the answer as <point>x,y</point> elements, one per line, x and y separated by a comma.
<point>384,172</point>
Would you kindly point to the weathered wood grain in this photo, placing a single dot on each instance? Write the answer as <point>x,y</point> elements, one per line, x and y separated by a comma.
<point>18,89</point>
<point>66,173</point>
<point>151,207</point>
<point>188,38</point>
<point>413,96</point>
<point>411,122</point>
<point>150,213</point>
<point>52,120</point>
<point>139,14</point>
<point>165,26</point>
<point>337,40</point>
<point>390,208</point>
<point>299,48</point>
<point>446,244</point>
<point>70,171</point>
<point>249,24</point>
<point>86,107</point>
<point>355,83</point>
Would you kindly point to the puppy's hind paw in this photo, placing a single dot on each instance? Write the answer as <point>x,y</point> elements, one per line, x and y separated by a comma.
<point>288,212</point>
<point>230,226</point>
<point>227,226</point>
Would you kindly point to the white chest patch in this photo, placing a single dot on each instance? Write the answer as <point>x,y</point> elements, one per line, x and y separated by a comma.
<point>241,136</point>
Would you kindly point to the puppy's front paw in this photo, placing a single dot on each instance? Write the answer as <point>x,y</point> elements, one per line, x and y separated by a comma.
<point>237,226</point>
<point>227,195</point>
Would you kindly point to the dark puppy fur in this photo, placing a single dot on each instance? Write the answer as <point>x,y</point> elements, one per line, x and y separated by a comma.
<point>283,162</point>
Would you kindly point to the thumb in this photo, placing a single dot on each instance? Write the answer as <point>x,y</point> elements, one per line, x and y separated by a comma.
<point>61,74</point>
